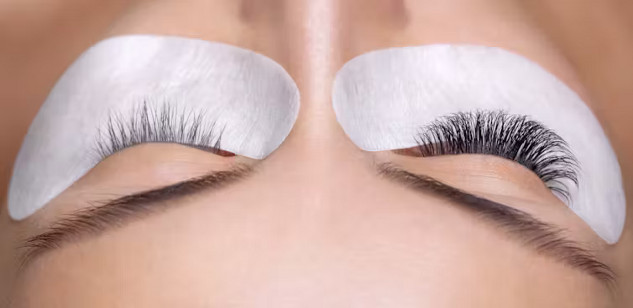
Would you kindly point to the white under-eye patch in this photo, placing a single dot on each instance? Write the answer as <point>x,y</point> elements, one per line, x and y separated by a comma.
<point>385,100</point>
<point>144,88</point>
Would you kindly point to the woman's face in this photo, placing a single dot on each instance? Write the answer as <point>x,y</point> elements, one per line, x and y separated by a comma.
<point>319,222</point>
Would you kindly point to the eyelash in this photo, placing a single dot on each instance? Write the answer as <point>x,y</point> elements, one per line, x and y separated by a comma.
<point>163,124</point>
<point>514,137</point>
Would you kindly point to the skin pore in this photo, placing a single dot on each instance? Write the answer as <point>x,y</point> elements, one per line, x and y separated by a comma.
<point>314,224</point>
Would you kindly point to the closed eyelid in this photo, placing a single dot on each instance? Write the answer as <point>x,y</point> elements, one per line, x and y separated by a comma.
<point>128,90</point>
<point>384,98</point>
<point>163,124</point>
<point>488,175</point>
<point>513,137</point>
<point>98,218</point>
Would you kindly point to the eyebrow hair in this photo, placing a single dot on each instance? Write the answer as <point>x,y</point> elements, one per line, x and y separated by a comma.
<point>545,238</point>
<point>116,213</point>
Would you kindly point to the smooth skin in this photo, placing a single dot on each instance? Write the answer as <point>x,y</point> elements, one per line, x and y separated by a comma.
<point>314,226</point>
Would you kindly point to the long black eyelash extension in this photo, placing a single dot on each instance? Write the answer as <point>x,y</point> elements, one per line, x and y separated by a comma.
<point>164,124</point>
<point>513,137</point>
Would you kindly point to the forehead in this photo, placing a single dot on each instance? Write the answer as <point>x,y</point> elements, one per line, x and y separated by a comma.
<point>254,253</point>
<point>301,242</point>
<point>335,288</point>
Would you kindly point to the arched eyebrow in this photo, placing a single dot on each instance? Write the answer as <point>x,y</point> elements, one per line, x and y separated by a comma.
<point>95,220</point>
<point>544,238</point>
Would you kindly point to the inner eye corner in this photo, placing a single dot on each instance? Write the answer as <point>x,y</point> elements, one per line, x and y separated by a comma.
<point>213,149</point>
<point>222,153</point>
<point>411,151</point>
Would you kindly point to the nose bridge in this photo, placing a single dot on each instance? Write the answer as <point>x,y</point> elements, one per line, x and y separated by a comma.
<point>317,154</point>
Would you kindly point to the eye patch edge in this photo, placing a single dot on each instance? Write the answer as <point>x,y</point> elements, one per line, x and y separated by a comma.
<point>250,96</point>
<point>383,98</point>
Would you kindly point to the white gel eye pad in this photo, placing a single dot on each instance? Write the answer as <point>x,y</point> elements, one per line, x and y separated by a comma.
<point>144,88</point>
<point>396,98</point>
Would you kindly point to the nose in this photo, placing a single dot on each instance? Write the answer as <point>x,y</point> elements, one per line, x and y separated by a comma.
<point>317,158</point>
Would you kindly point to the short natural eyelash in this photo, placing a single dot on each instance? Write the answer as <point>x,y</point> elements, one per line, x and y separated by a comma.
<point>514,137</point>
<point>163,124</point>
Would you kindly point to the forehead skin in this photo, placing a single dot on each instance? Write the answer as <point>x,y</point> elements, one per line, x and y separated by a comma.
<point>314,225</point>
<point>294,241</point>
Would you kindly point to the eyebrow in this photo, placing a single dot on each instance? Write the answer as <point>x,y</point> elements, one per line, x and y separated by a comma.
<point>545,238</point>
<point>116,213</point>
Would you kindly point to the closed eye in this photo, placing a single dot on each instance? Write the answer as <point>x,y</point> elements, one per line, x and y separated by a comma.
<point>164,124</point>
<point>513,137</point>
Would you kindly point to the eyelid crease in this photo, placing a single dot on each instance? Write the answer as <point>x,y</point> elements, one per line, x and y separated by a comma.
<point>546,239</point>
<point>118,212</point>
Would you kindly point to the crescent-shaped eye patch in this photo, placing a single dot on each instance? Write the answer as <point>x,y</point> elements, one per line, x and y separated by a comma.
<point>146,88</point>
<point>459,99</point>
